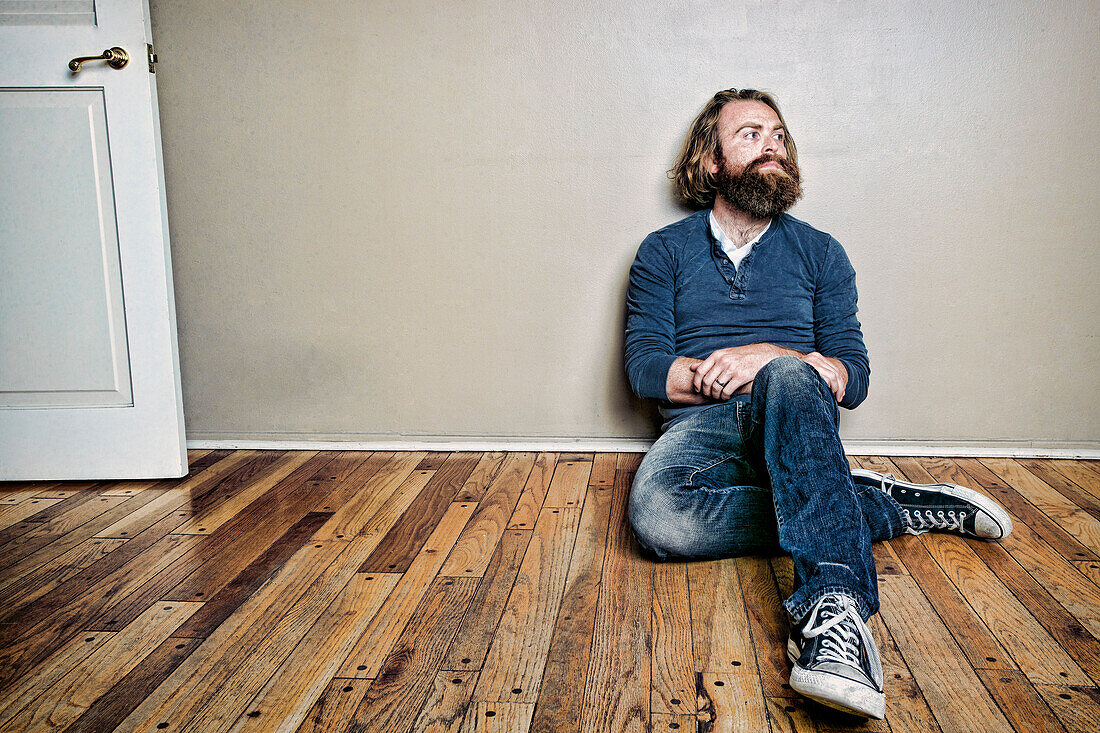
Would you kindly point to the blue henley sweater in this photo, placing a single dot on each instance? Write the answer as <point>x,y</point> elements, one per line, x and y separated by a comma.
<point>796,289</point>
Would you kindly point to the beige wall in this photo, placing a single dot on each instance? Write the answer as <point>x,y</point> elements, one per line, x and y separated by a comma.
<point>414,219</point>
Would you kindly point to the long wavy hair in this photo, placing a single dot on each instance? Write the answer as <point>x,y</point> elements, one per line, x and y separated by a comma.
<point>693,181</point>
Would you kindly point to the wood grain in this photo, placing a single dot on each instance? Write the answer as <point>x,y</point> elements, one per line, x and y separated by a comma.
<point>561,625</point>
<point>720,627</point>
<point>616,688</point>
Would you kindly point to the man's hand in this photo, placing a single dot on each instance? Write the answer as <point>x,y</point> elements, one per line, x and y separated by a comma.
<point>727,372</point>
<point>831,370</point>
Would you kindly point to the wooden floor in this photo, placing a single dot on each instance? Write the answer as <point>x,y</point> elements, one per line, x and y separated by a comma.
<point>399,592</point>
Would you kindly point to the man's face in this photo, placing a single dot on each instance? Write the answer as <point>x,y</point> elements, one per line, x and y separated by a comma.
<point>752,171</point>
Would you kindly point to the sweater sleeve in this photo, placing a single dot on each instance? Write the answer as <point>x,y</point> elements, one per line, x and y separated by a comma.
<point>650,319</point>
<point>837,331</point>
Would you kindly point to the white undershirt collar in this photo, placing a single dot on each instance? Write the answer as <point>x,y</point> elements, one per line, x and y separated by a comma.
<point>736,254</point>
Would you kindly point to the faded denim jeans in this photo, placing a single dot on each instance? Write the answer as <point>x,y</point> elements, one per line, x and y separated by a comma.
<point>765,475</point>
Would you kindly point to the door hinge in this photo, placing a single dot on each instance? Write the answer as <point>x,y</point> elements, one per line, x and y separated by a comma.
<point>152,56</point>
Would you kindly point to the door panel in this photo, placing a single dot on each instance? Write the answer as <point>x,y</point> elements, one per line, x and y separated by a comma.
<point>63,334</point>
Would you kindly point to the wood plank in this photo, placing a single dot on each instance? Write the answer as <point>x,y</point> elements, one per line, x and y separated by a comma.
<point>558,709</point>
<point>395,698</point>
<point>358,481</point>
<point>730,703</point>
<point>498,717</point>
<point>471,642</point>
<point>906,708</point>
<point>790,715</point>
<point>719,625</point>
<point>1084,527</point>
<point>1020,702</point>
<point>232,673</point>
<point>519,648</point>
<point>46,578</point>
<point>79,585</point>
<point>1045,471</point>
<point>569,484</point>
<point>382,633</point>
<point>433,461</point>
<point>286,699</point>
<point>130,584</point>
<point>603,470</point>
<point>251,531</point>
<point>952,689</point>
<point>668,721</point>
<point>672,683</point>
<point>1090,570</point>
<point>1035,652</point>
<point>69,697</point>
<point>629,461</point>
<point>1024,512</point>
<point>483,474</point>
<point>109,710</point>
<point>887,561</point>
<point>445,708</point>
<point>1082,646</point>
<point>35,542</point>
<point>129,488</point>
<point>194,454</point>
<point>534,492</point>
<point>222,604</point>
<point>476,545</point>
<point>247,488</point>
<point>17,512</point>
<point>357,515</point>
<point>768,624</point>
<point>225,646</point>
<point>979,644</point>
<point>616,689</point>
<point>1078,708</point>
<point>16,492</point>
<point>178,494</point>
<point>398,548</point>
<point>1079,473</point>
<point>334,709</point>
<point>26,687</point>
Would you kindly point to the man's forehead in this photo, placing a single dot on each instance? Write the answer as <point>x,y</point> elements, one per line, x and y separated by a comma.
<point>741,112</point>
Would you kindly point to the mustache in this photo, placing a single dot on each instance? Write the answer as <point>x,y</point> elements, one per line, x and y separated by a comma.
<point>788,167</point>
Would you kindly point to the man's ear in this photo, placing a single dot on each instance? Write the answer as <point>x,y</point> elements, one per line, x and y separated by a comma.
<point>711,164</point>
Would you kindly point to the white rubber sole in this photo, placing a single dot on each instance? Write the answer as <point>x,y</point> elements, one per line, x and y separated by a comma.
<point>989,507</point>
<point>836,692</point>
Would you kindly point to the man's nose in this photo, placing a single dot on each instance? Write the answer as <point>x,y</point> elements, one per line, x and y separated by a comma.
<point>771,145</point>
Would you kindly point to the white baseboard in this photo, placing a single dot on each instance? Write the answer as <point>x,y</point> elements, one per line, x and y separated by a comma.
<point>955,449</point>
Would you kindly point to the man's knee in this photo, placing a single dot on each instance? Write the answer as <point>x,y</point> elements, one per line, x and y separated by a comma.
<point>786,370</point>
<point>660,528</point>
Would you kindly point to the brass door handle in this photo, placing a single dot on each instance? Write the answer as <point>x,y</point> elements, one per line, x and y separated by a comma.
<point>115,57</point>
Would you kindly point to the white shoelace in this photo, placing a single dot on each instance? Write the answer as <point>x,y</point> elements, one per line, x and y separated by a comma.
<point>843,626</point>
<point>888,477</point>
<point>921,520</point>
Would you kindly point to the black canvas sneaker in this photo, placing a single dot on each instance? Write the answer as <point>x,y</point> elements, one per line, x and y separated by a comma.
<point>835,659</point>
<point>943,507</point>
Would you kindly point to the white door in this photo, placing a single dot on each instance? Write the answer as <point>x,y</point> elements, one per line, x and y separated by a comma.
<point>89,370</point>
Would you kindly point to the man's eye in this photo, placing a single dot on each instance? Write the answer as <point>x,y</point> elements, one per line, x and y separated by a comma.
<point>751,135</point>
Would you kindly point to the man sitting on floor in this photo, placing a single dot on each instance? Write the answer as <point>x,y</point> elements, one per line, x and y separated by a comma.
<point>742,322</point>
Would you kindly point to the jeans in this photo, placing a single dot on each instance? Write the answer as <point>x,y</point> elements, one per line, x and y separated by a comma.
<point>752,477</point>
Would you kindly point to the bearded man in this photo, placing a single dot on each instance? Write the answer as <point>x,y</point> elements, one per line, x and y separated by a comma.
<point>742,323</point>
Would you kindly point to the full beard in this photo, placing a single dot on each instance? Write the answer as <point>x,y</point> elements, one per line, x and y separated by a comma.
<point>764,194</point>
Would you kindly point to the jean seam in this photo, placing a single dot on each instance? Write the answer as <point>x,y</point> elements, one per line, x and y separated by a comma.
<point>724,459</point>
